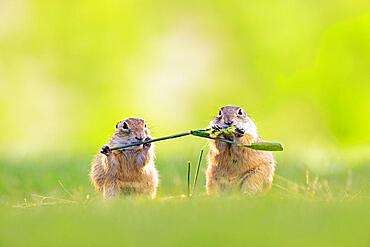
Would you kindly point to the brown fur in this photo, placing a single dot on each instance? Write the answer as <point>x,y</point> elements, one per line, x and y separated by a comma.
<point>128,172</point>
<point>238,168</point>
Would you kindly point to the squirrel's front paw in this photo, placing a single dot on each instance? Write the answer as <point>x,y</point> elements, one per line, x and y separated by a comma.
<point>239,132</point>
<point>147,145</point>
<point>216,128</point>
<point>105,150</point>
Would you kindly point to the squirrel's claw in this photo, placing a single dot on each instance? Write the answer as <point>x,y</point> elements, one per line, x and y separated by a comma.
<point>239,132</point>
<point>105,150</point>
<point>216,128</point>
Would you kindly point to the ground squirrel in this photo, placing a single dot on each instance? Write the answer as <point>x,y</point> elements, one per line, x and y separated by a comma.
<point>237,168</point>
<point>130,171</point>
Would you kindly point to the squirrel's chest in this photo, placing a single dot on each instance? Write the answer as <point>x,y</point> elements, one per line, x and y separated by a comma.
<point>231,163</point>
<point>134,173</point>
<point>231,158</point>
<point>123,170</point>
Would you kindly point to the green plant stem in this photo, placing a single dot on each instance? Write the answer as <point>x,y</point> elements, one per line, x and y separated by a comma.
<point>153,140</point>
<point>265,146</point>
<point>197,172</point>
<point>189,167</point>
<point>207,135</point>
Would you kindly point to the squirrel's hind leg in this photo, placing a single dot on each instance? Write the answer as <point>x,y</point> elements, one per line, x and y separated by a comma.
<point>110,191</point>
<point>255,181</point>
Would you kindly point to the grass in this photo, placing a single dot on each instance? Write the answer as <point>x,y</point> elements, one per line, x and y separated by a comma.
<point>49,202</point>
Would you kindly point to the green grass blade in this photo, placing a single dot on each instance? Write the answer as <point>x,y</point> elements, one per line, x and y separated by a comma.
<point>188,177</point>
<point>197,172</point>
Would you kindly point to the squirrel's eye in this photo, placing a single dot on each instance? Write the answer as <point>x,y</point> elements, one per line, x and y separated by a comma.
<point>125,126</point>
<point>144,125</point>
<point>117,125</point>
<point>219,112</point>
<point>240,112</point>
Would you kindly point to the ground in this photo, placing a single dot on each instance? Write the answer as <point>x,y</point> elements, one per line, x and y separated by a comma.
<point>49,202</point>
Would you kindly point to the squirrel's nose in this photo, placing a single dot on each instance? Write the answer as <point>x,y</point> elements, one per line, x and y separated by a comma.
<point>228,122</point>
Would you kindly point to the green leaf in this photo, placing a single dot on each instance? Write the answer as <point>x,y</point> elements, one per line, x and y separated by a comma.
<point>265,146</point>
<point>227,131</point>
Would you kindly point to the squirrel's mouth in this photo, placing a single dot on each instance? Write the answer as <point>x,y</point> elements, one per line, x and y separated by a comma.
<point>235,134</point>
<point>142,144</point>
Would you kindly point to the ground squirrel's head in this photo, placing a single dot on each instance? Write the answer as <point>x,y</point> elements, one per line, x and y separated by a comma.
<point>234,116</point>
<point>131,130</point>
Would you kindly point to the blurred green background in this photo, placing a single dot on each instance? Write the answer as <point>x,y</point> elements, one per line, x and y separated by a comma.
<point>69,70</point>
